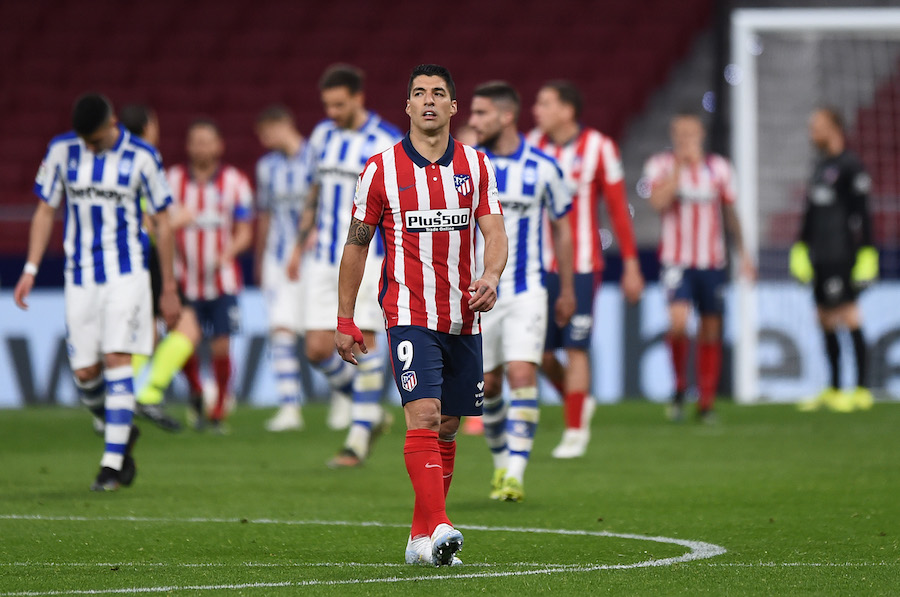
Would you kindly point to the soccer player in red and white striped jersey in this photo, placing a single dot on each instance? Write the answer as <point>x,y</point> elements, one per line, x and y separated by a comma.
<point>426,194</point>
<point>215,212</point>
<point>592,167</point>
<point>692,191</point>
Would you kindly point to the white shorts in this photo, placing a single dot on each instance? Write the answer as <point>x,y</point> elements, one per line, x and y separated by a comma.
<point>515,329</point>
<point>116,316</point>
<point>320,283</point>
<point>284,297</point>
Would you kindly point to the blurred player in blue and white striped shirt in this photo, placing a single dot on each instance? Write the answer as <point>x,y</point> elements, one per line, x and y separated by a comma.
<point>102,171</point>
<point>531,186</point>
<point>341,145</point>
<point>283,179</point>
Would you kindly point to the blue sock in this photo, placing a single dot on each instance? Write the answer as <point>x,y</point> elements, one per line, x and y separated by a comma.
<point>521,424</point>
<point>92,394</point>
<point>119,414</point>
<point>339,373</point>
<point>494,419</point>
<point>366,411</point>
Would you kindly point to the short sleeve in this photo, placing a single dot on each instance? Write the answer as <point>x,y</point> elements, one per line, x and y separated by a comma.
<point>368,203</point>
<point>558,198</point>
<point>653,171</point>
<point>489,198</point>
<point>48,184</point>
<point>154,185</point>
<point>243,204</point>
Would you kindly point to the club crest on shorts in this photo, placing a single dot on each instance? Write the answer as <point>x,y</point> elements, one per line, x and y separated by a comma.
<point>408,381</point>
<point>463,184</point>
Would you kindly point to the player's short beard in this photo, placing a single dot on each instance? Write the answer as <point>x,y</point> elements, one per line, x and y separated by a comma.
<point>491,142</point>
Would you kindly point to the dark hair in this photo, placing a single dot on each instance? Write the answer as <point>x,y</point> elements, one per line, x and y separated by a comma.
<point>342,75</point>
<point>834,115</point>
<point>568,94</point>
<point>204,121</point>
<point>275,113</point>
<point>499,91</point>
<point>135,118</point>
<point>91,111</point>
<point>432,70</point>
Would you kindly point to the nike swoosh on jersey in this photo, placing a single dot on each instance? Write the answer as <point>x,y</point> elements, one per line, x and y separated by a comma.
<point>401,189</point>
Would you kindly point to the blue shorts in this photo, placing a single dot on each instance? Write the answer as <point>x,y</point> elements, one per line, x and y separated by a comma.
<point>430,364</point>
<point>577,334</point>
<point>219,316</point>
<point>701,287</point>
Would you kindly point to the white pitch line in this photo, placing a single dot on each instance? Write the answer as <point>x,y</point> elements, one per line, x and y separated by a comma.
<point>699,550</point>
<point>799,564</point>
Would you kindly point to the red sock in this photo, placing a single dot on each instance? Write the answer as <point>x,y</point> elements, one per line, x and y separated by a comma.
<point>222,370</point>
<point>709,367</point>
<point>192,372</point>
<point>574,404</point>
<point>679,346</point>
<point>448,457</point>
<point>424,465</point>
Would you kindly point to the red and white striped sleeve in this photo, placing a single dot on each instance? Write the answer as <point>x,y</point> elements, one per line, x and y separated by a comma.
<point>368,204</point>
<point>613,180</point>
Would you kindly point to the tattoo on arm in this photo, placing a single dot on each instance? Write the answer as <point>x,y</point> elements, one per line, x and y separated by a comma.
<point>360,233</point>
<point>308,218</point>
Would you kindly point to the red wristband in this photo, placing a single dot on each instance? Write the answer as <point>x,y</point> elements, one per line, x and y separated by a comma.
<point>346,325</point>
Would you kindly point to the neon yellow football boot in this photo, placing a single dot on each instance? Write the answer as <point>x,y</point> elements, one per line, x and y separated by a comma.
<point>497,483</point>
<point>512,490</point>
<point>824,400</point>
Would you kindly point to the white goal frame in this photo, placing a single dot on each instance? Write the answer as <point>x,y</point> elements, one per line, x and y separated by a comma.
<point>745,25</point>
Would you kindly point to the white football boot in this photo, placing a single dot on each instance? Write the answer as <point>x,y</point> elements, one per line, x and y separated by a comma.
<point>418,552</point>
<point>288,418</point>
<point>445,542</point>
<point>575,441</point>
<point>339,416</point>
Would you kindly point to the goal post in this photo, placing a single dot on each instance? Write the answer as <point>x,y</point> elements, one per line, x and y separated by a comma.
<point>778,76</point>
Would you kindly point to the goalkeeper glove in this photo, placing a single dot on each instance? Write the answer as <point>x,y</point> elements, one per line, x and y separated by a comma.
<point>866,268</point>
<point>800,265</point>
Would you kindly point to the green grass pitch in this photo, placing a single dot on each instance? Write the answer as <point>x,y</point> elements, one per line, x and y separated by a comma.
<point>801,504</point>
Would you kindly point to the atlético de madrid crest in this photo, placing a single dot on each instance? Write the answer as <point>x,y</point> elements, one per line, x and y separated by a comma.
<point>408,381</point>
<point>463,184</point>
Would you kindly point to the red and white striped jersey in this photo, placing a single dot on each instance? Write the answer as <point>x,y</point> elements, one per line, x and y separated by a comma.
<point>692,234</point>
<point>593,169</point>
<point>427,213</point>
<point>216,205</point>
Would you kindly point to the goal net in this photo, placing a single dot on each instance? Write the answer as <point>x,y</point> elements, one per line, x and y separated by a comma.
<point>786,63</point>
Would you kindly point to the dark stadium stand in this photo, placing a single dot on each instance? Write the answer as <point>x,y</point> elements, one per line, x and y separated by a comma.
<point>229,59</point>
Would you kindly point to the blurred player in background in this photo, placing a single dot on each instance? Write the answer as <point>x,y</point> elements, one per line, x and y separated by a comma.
<point>426,194</point>
<point>102,170</point>
<point>529,182</point>
<point>214,226</point>
<point>339,149</point>
<point>282,183</point>
<point>178,345</point>
<point>590,161</point>
<point>836,254</point>
<point>692,191</point>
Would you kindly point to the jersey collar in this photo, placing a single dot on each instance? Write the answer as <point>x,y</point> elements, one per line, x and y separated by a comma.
<point>120,139</point>
<point>514,156</point>
<point>420,161</point>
